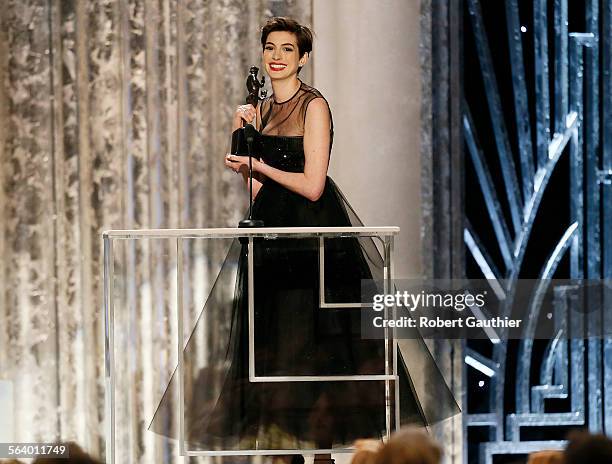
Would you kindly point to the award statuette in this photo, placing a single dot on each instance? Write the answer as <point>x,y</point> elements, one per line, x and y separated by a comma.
<point>254,86</point>
<point>244,139</point>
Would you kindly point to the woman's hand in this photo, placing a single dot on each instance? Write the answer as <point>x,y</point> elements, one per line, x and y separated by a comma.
<point>241,163</point>
<point>244,113</point>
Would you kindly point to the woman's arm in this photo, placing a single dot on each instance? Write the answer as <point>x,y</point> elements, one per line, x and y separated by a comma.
<point>311,182</point>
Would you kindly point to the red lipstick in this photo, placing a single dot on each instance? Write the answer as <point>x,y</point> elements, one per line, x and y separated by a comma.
<point>278,64</point>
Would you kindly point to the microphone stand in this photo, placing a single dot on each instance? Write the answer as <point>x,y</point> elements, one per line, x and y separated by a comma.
<point>248,133</point>
<point>250,222</point>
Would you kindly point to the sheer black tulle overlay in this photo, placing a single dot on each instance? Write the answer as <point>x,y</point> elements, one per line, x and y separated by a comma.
<point>293,335</point>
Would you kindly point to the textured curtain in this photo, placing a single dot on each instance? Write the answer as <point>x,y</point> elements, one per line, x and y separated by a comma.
<point>114,114</point>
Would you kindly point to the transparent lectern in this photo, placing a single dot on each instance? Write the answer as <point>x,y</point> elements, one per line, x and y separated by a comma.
<point>173,343</point>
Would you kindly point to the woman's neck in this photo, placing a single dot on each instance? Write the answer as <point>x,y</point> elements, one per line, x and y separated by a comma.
<point>284,89</point>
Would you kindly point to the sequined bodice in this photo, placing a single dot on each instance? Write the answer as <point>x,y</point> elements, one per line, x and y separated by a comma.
<point>285,153</point>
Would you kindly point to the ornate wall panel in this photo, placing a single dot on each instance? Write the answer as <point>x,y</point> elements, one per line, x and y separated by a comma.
<point>532,123</point>
<point>442,182</point>
<point>113,114</point>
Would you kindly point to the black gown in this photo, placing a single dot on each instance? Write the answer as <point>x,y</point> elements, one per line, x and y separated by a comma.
<point>293,335</point>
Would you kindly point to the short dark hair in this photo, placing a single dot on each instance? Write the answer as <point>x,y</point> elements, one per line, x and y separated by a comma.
<point>279,23</point>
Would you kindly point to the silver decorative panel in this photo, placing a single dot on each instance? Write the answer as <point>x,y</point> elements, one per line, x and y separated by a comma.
<point>113,114</point>
<point>556,121</point>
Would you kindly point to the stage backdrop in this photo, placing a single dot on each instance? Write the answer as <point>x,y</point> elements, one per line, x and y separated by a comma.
<point>113,114</point>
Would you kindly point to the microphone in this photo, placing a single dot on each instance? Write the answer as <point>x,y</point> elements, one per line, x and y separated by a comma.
<point>250,133</point>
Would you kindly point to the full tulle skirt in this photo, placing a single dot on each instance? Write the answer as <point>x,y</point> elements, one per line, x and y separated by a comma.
<point>294,336</point>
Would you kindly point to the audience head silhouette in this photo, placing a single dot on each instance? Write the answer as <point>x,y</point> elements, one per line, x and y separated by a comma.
<point>409,446</point>
<point>546,457</point>
<point>366,451</point>
<point>584,448</point>
<point>77,456</point>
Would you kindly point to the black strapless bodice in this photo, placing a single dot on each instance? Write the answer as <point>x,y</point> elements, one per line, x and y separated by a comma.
<point>285,153</point>
<point>278,206</point>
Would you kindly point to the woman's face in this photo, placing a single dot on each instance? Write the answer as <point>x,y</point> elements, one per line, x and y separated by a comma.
<point>281,56</point>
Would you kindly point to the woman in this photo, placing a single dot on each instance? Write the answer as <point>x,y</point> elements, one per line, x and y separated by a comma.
<point>291,188</point>
<point>294,336</point>
<point>294,110</point>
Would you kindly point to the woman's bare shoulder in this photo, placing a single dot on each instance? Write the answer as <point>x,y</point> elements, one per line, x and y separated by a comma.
<point>314,93</point>
<point>317,107</point>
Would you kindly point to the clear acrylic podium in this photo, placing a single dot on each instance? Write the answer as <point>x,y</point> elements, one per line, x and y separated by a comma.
<point>155,283</point>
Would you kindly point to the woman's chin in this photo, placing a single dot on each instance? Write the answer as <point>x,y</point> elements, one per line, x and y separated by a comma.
<point>279,76</point>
